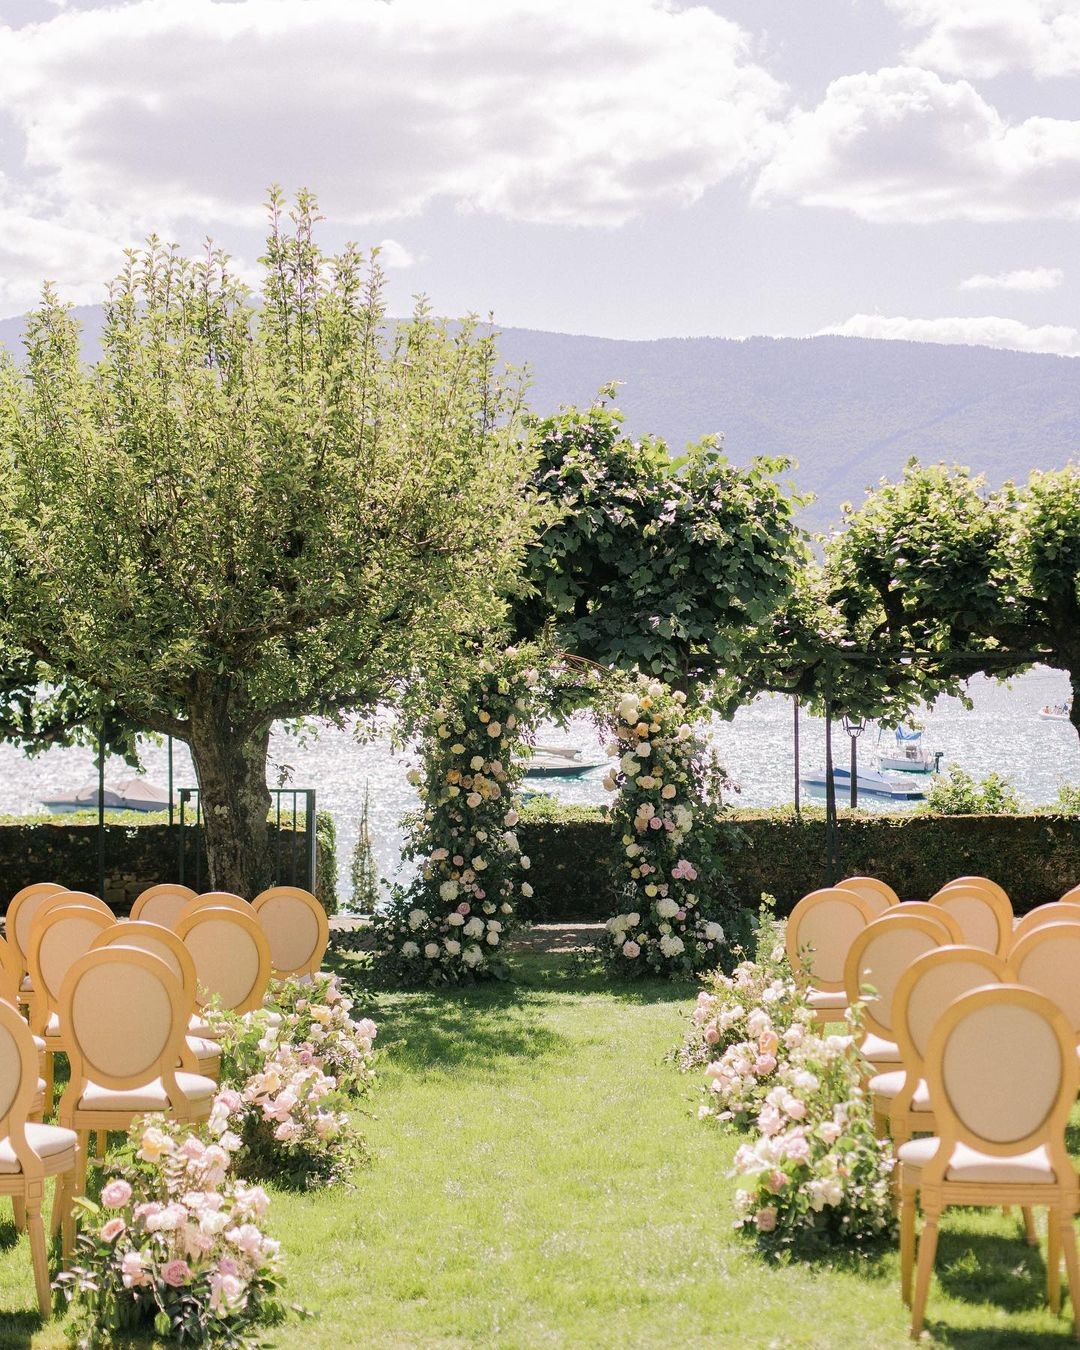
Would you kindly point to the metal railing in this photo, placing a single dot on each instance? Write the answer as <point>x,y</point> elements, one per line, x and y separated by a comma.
<point>293,850</point>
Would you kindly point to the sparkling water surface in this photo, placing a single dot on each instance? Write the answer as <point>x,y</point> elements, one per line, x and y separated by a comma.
<point>1001,732</point>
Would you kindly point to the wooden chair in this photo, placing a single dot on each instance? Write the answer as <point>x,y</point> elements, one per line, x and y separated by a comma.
<point>1002,1071</point>
<point>947,925</point>
<point>57,940</point>
<point>1071,897</point>
<point>124,1016</point>
<point>876,893</point>
<point>216,900</point>
<point>985,917</point>
<point>30,1151</point>
<point>20,916</point>
<point>1048,960</point>
<point>296,927</point>
<point>820,931</point>
<point>878,957</point>
<point>11,973</point>
<point>901,1097</point>
<point>1054,912</point>
<point>979,883</point>
<point>199,1055</point>
<point>162,904</point>
<point>231,955</point>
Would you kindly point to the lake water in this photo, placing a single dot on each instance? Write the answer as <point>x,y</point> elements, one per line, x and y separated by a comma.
<point>1002,731</point>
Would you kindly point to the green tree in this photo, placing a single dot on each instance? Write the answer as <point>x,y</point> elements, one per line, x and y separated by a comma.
<point>364,873</point>
<point>255,508</point>
<point>670,565</point>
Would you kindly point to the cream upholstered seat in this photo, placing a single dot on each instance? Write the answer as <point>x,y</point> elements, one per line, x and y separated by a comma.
<point>985,917</point>
<point>162,904</point>
<point>1002,1070</point>
<point>59,936</point>
<point>21,913</point>
<point>878,957</point>
<point>1055,912</point>
<point>200,1055</point>
<point>296,927</point>
<point>30,1152</point>
<point>877,894</point>
<point>820,931</point>
<point>231,956</point>
<point>124,1015</point>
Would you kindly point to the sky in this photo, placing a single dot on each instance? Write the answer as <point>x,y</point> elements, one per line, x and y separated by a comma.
<point>624,168</point>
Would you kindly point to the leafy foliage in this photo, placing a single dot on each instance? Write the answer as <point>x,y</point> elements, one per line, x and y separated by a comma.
<point>958,793</point>
<point>364,872</point>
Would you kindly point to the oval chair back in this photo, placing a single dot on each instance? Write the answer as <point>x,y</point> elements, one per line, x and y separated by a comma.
<point>879,956</point>
<point>979,883</point>
<point>296,927</point>
<point>216,900</point>
<point>1071,897</point>
<point>57,940</point>
<point>21,913</point>
<point>162,904</point>
<point>984,917</point>
<point>158,941</point>
<point>10,973</point>
<point>1002,1070</point>
<point>231,956</point>
<point>949,927</point>
<point>18,1084</point>
<point>877,894</point>
<point>820,931</point>
<point>1048,959</point>
<point>1054,912</point>
<point>124,1022</point>
<point>81,898</point>
<point>929,985</point>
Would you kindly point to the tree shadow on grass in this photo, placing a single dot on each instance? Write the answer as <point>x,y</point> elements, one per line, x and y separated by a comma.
<point>17,1329</point>
<point>433,1031</point>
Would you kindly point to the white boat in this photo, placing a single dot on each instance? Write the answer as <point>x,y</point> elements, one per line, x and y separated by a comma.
<point>559,761</point>
<point>871,783</point>
<point>908,754</point>
<point>134,794</point>
<point>1054,712</point>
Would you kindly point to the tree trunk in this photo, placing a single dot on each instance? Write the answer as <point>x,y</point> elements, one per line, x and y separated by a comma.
<point>235,803</point>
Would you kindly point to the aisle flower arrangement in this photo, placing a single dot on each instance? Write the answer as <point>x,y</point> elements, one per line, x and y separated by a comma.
<point>450,924</point>
<point>175,1243</point>
<point>816,1174</point>
<point>667,789</point>
<point>288,1071</point>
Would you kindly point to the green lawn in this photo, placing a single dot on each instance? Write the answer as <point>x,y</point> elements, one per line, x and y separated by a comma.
<point>539,1179</point>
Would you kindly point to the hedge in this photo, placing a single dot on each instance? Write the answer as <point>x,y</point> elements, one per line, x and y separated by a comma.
<point>140,851</point>
<point>1035,857</point>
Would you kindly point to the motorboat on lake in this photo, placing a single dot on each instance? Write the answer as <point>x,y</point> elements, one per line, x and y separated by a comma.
<point>871,783</point>
<point>559,761</point>
<point>1054,712</point>
<point>134,794</point>
<point>908,755</point>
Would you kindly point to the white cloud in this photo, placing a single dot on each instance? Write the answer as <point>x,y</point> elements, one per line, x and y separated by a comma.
<point>549,111</point>
<point>1022,279</point>
<point>394,255</point>
<point>983,38</point>
<point>902,144</point>
<point>988,331</point>
<point>75,252</point>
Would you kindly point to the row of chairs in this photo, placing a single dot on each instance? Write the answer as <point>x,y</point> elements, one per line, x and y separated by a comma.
<point>976,1047</point>
<point>124,1000</point>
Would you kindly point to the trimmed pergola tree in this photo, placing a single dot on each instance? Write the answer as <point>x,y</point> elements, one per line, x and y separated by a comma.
<point>255,508</point>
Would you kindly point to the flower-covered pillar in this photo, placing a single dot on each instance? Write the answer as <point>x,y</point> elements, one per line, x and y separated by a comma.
<point>668,794</point>
<point>450,923</point>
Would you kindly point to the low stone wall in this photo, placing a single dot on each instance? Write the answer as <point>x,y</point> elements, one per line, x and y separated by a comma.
<point>1035,857</point>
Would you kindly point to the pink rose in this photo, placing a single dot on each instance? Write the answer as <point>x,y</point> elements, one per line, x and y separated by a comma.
<point>631,949</point>
<point>712,1035</point>
<point>765,1219</point>
<point>115,1194</point>
<point>796,1147</point>
<point>775,1181</point>
<point>111,1230</point>
<point>463,908</point>
<point>768,1120</point>
<point>176,1273</point>
<point>764,1064</point>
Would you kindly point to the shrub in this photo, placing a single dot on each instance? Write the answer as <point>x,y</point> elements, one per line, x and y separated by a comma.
<point>175,1243</point>
<point>960,794</point>
<point>365,874</point>
<point>1068,799</point>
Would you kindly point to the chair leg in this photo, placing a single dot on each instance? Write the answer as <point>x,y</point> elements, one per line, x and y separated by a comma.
<point>100,1138</point>
<point>18,1205</point>
<point>927,1252</point>
<point>62,1196</point>
<point>1072,1264</point>
<point>1053,1261</point>
<point>78,1182</point>
<point>907,1242</point>
<point>1031,1233</point>
<point>38,1253</point>
<point>48,1075</point>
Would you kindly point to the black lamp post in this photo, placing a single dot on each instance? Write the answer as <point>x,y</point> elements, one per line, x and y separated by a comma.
<point>854,728</point>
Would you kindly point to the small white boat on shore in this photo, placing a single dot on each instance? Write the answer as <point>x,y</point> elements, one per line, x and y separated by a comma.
<point>871,783</point>
<point>134,794</point>
<point>559,761</point>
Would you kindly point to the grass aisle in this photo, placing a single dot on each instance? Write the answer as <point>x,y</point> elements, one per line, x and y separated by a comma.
<point>540,1180</point>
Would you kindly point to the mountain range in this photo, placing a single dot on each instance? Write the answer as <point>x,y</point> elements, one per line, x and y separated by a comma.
<point>849,410</point>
